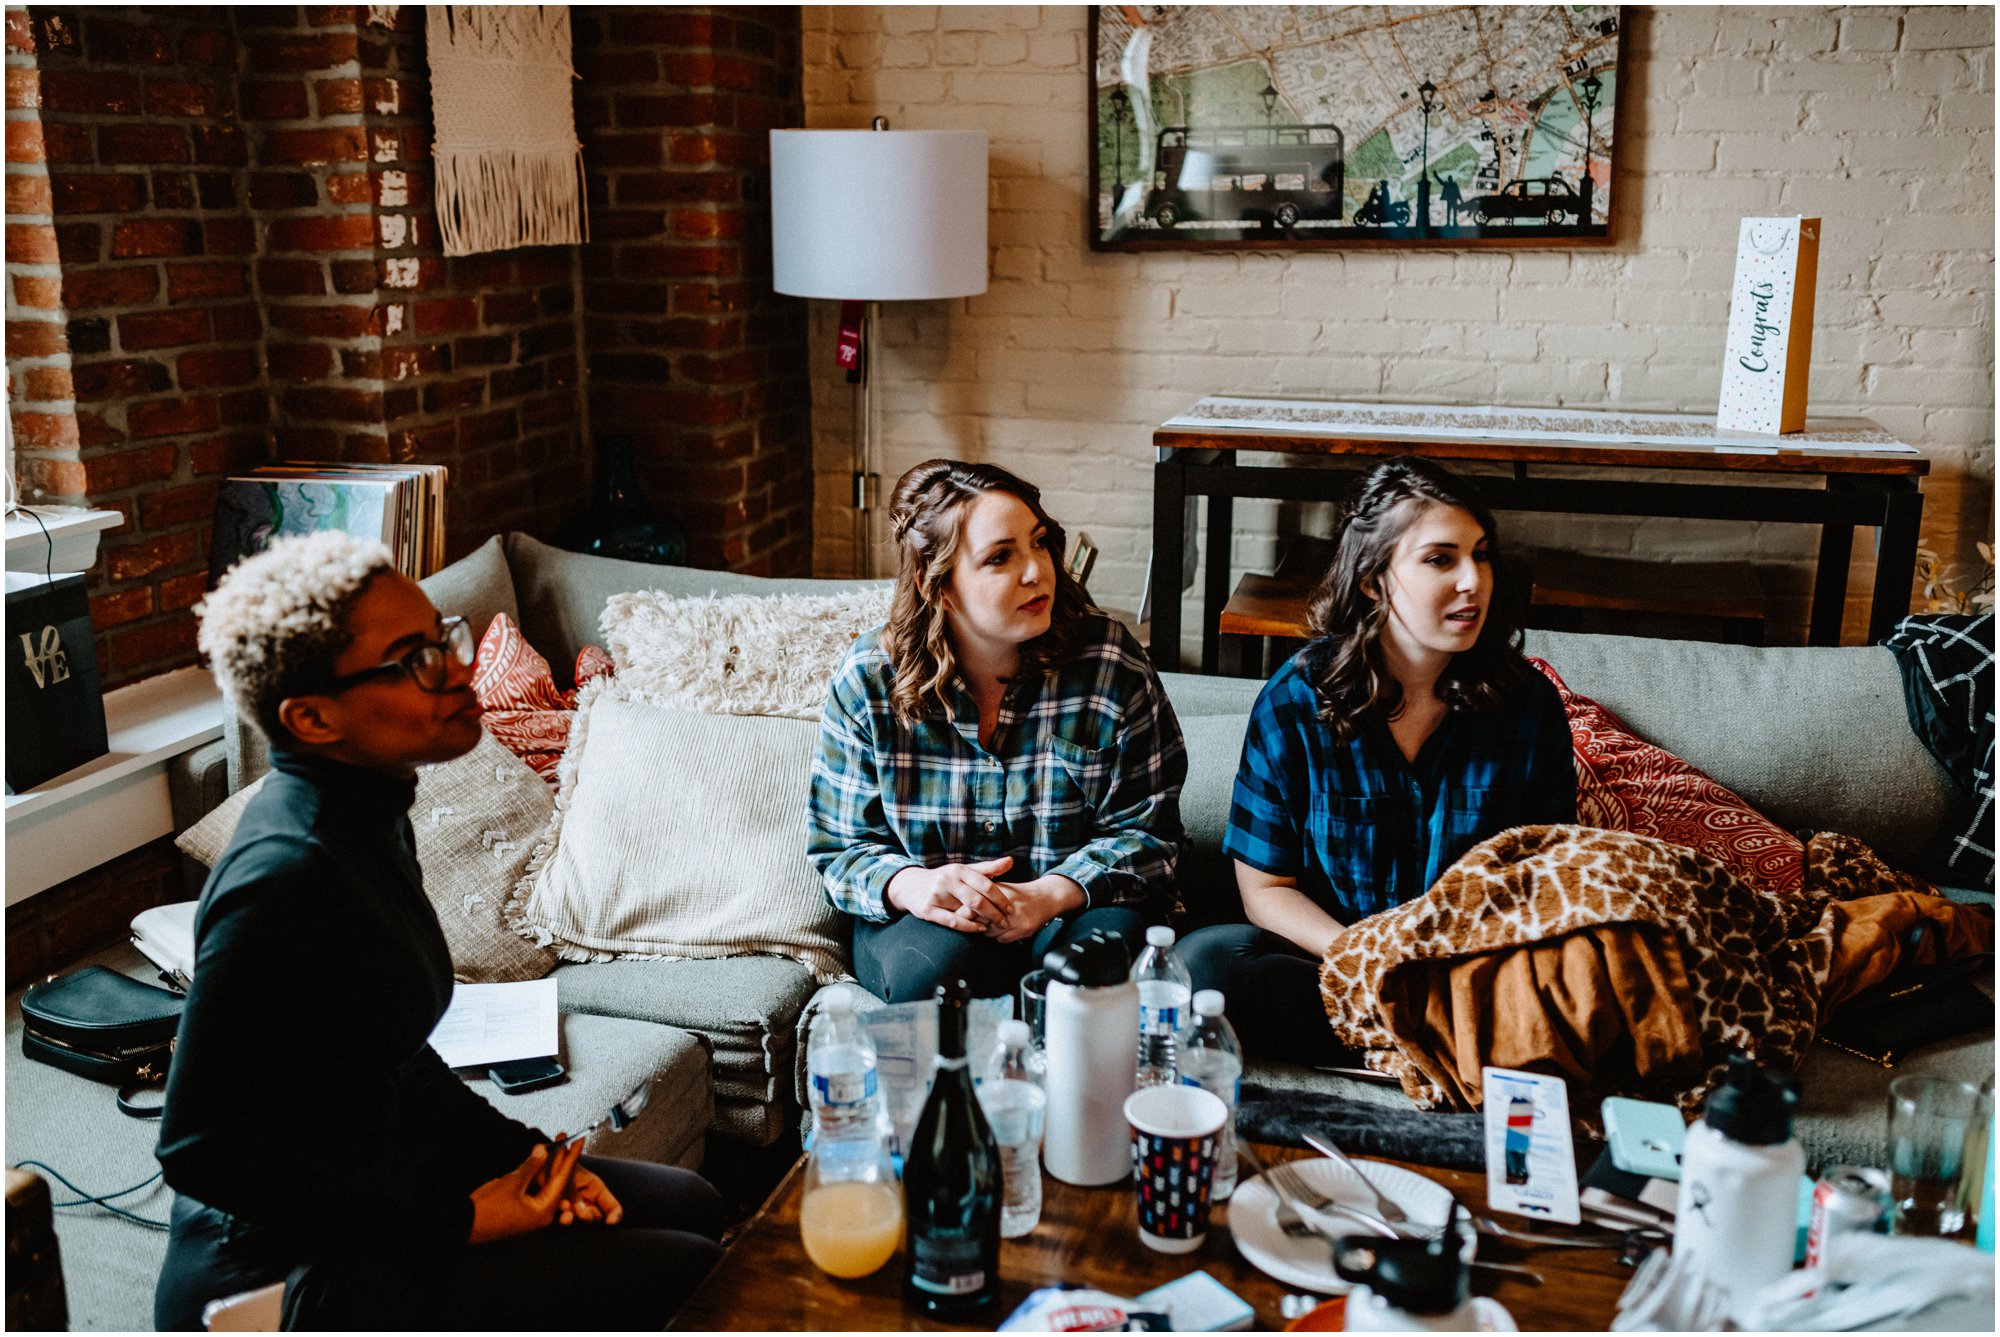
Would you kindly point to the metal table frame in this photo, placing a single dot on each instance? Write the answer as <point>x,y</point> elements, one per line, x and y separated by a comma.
<point>1890,503</point>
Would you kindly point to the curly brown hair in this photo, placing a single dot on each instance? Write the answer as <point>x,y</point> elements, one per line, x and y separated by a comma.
<point>1344,660</point>
<point>927,520</point>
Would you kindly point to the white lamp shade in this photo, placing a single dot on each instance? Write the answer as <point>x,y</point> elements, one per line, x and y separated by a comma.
<point>878,215</point>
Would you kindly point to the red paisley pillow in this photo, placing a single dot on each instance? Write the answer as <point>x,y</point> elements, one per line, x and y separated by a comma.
<point>525,712</point>
<point>1624,783</point>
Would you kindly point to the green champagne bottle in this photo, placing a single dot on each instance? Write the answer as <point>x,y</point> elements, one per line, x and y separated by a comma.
<point>952,1184</point>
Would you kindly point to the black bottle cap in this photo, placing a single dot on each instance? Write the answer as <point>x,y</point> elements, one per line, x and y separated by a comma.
<point>1093,961</point>
<point>1417,1276</point>
<point>1752,1105</point>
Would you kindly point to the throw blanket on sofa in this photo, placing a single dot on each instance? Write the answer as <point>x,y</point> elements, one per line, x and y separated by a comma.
<point>1947,664</point>
<point>1626,964</point>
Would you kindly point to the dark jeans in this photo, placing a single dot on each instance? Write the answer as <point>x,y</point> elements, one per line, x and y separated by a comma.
<point>626,1277</point>
<point>904,960</point>
<point>1270,992</point>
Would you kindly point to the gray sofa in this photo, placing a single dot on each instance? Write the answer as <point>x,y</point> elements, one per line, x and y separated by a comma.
<point>1815,738</point>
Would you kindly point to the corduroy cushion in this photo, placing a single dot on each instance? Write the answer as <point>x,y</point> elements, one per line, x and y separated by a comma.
<point>476,821</point>
<point>679,834</point>
<point>1624,783</point>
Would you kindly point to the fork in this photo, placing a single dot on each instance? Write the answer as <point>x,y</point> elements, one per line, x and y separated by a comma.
<point>1385,1207</point>
<point>1285,1182</point>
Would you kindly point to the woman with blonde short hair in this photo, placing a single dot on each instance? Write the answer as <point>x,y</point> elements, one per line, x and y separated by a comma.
<point>999,771</point>
<point>310,1132</point>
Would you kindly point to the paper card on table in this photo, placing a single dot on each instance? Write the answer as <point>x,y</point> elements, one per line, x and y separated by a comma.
<point>497,1023</point>
<point>1767,358</point>
<point>905,1039</point>
<point>1530,1157</point>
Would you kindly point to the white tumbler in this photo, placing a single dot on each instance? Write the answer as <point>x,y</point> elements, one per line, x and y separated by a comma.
<point>1092,1023</point>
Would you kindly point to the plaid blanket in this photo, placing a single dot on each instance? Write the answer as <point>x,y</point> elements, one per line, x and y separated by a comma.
<point>1947,664</point>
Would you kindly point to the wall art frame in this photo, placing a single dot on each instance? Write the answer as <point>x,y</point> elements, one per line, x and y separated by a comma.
<point>1231,127</point>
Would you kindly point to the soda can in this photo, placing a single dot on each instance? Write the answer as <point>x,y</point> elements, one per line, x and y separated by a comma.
<point>1848,1197</point>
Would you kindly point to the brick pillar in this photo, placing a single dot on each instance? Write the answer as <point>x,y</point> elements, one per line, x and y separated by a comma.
<point>689,351</point>
<point>381,348</point>
<point>143,149</point>
<point>38,374</point>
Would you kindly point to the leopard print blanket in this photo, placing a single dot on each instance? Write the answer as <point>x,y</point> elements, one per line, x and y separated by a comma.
<point>1628,965</point>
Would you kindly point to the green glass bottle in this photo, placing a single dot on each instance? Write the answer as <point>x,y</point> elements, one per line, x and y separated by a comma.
<point>952,1184</point>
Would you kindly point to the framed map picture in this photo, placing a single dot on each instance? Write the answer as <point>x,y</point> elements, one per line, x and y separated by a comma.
<point>1312,125</point>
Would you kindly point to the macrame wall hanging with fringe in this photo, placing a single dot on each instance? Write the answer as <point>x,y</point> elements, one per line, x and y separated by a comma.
<point>509,167</point>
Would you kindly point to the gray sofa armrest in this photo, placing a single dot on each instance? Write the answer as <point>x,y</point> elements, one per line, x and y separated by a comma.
<point>197,782</point>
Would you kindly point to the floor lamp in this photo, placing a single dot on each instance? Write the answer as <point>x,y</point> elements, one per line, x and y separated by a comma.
<point>877,216</point>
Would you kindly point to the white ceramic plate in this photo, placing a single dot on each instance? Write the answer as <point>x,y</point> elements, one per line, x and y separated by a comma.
<point>1306,1261</point>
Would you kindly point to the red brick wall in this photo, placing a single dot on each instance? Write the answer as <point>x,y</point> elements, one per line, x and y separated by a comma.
<point>689,351</point>
<point>239,199</point>
<point>249,270</point>
<point>144,157</point>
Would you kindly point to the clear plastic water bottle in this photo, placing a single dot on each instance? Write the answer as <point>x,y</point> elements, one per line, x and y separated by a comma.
<point>1013,1097</point>
<point>1212,1060</point>
<point>840,1058</point>
<point>1164,986</point>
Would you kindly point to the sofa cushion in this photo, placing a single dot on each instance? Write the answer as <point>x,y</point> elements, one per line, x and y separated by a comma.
<point>476,821</point>
<point>608,1059</point>
<point>524,709</point>
<point>747,1007</point>
<point>1815,738</point>
<point>1624,783</point>
<point>1194,695</point>
<point>679,834</point>
<point>476,587</point>
<point>562,594</point>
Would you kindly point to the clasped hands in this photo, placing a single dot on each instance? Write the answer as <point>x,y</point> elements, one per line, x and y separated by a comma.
<point>548,1188</point>
<point>970,897</point>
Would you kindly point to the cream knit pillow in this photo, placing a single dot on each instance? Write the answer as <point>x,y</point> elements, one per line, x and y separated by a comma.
<point>738,654</point>
<point>679,834</point>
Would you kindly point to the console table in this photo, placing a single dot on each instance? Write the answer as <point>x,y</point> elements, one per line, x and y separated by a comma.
<point>1855,474</point>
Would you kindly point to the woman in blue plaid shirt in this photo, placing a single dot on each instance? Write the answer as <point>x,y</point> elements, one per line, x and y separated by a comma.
<point>999,771</point>
<point>1409,730</point>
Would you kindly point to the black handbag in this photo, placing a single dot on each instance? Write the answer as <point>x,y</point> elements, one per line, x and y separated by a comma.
<point>105,1026</point>
<point>1914,1007</point>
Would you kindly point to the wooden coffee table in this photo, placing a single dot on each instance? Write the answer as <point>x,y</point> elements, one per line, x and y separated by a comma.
<point>1090,1236</point>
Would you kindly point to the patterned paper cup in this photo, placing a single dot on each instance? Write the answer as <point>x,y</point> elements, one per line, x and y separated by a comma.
<point>1175,1134</point>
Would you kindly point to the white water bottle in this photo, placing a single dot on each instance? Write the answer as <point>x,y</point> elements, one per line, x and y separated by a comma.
<point>840,1060</point>
<point>1164,989</point>
<point>1014,1100</point>
<point>1212,1059</point>
<point>1092,1043</point>
<point>1737,1219</point>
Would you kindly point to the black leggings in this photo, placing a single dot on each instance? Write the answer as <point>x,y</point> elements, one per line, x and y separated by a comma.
<point>626,1277</point>
<point>1270,990</point>
<point>904,960</point>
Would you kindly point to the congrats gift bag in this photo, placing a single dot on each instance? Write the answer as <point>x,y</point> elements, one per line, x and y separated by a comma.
<point>1769,354</point>
<point>55,711</point>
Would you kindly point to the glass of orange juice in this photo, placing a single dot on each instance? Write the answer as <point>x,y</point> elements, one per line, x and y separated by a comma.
<point>851,1213</point>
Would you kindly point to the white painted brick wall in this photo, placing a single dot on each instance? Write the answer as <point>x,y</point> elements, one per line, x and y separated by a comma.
<point>1879,119</point>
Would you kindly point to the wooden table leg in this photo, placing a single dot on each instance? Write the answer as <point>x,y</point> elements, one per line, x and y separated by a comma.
<point>1169,552</point>
<point>1895,560</point>
<point>1215,573</point>
<point>1829,600</point>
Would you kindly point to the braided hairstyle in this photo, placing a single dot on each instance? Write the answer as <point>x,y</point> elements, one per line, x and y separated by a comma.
<point>1344,660</point>
<point>927,520</point>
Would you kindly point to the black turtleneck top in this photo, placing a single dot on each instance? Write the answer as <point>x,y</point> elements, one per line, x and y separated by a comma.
<point>304,1100</point>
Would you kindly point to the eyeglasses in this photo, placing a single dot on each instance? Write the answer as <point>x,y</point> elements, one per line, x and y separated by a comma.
<point>428,665</point>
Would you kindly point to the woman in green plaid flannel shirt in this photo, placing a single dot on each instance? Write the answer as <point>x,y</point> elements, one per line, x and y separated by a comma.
<point>999,770</point>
